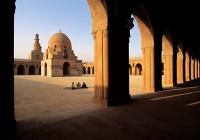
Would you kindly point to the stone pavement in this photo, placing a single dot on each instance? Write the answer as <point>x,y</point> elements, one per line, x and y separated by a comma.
<point>172,114</point>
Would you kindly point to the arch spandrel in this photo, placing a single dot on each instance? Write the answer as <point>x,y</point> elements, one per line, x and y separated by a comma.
<point>145,26</point>
<point>99,14</point>
<point>180,51</point>
<point>167,46</point>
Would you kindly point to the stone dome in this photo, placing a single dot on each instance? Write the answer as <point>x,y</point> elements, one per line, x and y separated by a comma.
<point>59,41</point>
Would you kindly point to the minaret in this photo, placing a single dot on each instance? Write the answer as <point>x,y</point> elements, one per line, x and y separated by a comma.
<point>36,46</point>
<point>36,53</point>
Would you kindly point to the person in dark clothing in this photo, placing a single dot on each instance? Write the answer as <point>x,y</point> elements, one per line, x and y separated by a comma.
<point>73,87</point>
<point>78,85</point>
<point>83,85</point>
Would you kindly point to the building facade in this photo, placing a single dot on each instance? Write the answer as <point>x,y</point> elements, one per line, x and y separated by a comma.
<point>135,67</point>
<point>59,58</point>
<point>31,66</point>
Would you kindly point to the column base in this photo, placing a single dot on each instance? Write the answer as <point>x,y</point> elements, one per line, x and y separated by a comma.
<point>8,129</point>
<point>119,100</point>
<point>149,90</point>
<point>100,101</point>
<point>114,101</point>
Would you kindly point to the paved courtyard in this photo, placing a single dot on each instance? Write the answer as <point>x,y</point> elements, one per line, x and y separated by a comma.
<point>45,109</point>
<point>49,98</point>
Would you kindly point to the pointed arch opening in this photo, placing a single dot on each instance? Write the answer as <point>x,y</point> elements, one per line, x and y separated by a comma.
<point>93,70</point>
<point>146,45</point>
<point>138,69</point>
<point>45,69</point>
<point>32,70</point>
<point>179,63</point>
<point>20,70</point>
<point>167,59</point>
<point>187,65</point>
<point>66,66</point>
<point>88,70</point>
<point>39,70</point>
<point>84,70</point>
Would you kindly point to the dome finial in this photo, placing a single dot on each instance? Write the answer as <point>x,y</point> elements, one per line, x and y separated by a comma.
<point>60,30</point>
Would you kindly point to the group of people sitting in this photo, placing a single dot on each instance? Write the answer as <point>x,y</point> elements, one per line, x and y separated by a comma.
<point>78,85</point>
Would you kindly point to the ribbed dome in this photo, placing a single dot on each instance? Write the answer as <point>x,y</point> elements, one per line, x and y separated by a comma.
<point>59,40</point>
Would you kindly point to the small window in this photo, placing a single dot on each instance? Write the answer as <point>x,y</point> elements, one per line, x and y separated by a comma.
<point>55,46</point>
<point>54,50</point>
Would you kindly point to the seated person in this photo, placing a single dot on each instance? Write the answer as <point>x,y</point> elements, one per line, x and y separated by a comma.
<point>73,87</point>
<point>84,85</point>
<point>78,85</point>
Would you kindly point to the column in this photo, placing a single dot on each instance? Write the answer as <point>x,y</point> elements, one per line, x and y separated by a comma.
<point>192,68</point>
<point>148,70</point>
<point>111,79</point>
<point>7,119</point>
<point>179,65</point>
<point>196,68</point>
<point>168,70</point>
<point>187,67</point>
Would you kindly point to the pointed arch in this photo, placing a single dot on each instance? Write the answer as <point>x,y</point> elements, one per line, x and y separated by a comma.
<point>167,58</point>
<point>187,65</point>
<point>147,45</point>
<point>180,63</point>
<point>99,14</point>
<point>145,26</point>
<point>32,70</point>
<point>84,70</point>
<point>138,69</point>
<point>45,69</point>
<point>66,66</point>
<point>88,70</point>
<point>20,70</point>
<point>98,10</point>
<point>93,70</point>
<point>192,68</point>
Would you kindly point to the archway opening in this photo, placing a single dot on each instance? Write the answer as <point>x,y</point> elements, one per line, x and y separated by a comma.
<point>84,70</point>
<point>144,46</point>
<point>130,69</point>
<point>92,70</point>
<point>45,69</point>
<point>167,60</point>
<point>59,101</point>
<point>39,70</point>
<point>20,70</point>
<point>88,70</point>
<point>138,69</point>
<point>66,66</point>
<point>187,65</point>
<point>32,70</point>
<point>179,63</point>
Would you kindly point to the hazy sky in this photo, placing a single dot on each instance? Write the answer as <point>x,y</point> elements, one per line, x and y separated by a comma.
<point>47,17</point>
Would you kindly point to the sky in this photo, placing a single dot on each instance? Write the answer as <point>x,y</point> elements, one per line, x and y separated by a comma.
<point>72,17</point>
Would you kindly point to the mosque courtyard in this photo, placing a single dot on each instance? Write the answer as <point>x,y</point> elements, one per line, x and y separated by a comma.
<point>45,108</point>
<point>46,98</point>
